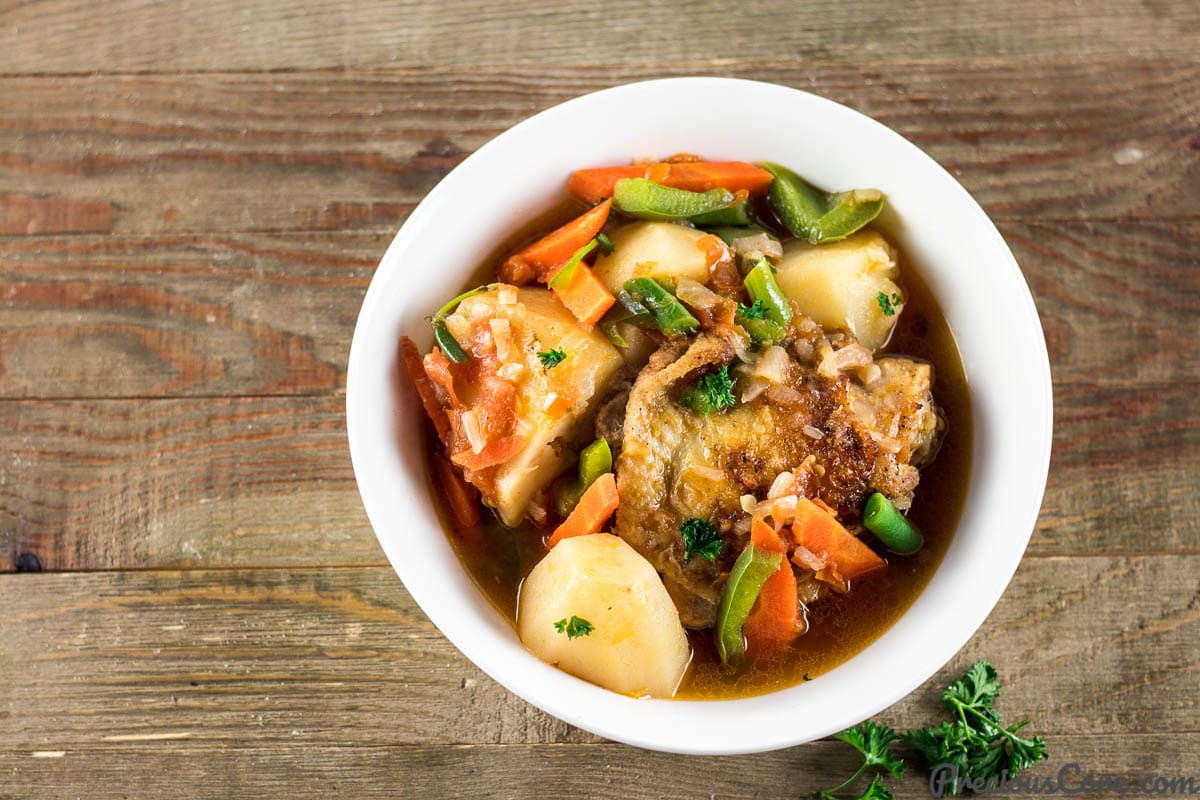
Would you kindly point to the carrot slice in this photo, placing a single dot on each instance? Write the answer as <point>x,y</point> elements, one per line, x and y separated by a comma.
<point>597,504</point>
<point>461,497</point>
<point>695,176</point>
<point>556,248</point>
<point>845,557</point>
<point>424,387</point>
<point>774,620</point>
<point>585,296</point>
<point>494,452</point>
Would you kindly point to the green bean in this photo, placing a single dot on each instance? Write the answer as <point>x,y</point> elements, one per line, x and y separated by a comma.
<point>760,283</point>
<point>890,526</point>
<point>745,581</point>
<point>670,316</point>
<point>644,199</point>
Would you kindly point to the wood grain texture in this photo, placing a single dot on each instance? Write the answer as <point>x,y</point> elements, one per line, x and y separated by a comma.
<point>74,36</point>
<point>186,483</point>
<point>344,657</point>
<point>141,155</point>
<point>570,772</point>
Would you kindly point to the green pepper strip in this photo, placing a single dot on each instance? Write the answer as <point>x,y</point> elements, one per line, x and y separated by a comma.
<point>736,214</point>
<point>890,526</point>
<point>441,334</point>
<point>762,331</point>
<point>760,283</point>
<point>815,216</point>
<point>746,580</point>
<point>644,199</point>
<point>594,461</point>
<point>669,314</point>
<point>626,309</point>
<point>563,277</point>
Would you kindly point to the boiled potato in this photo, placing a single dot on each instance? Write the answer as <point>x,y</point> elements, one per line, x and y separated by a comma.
<point>838,285</point>
<point>553,406</point>
<point>653,249</point>
<point>637,645</point>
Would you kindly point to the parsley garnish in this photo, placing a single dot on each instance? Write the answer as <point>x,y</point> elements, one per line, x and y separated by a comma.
<point>976,745</point>
<point>606,244</point>
<point>888,305</point>
<point>574,627</point>
<point>552,358</point>
<point>711,393</point>
<point>700,538</point>
<point>756,310</point>
<point>874,741</point>
<point>979,750</point>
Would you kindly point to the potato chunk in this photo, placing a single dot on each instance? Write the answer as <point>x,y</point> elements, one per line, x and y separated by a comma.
<point>838,285</point>
<point>549,408</point>
<point>654,249</point>
<point>636,646</point>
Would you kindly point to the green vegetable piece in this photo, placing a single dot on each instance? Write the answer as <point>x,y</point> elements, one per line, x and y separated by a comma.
<point>736,214</point>
<point>574,627</point>
<point>669,314</point>
<point>753,319</point>
<point>976,745</point>
<point>889,305</point>
<point>626,309</point>
<point>552,358</point>
<point>760,283</point>
<point>595,460</point>
<point>798,204</point>
<point>644,199</point>
<point>849,211</point>
<point>711,393</point>
<point>700,538</point>
<point>890,526</point>
<point>745,581</point>
<point>606,244</point>
<point>815,216</point>
<point>449,345</point>
<point>441,334</point>
<point>563,277</point>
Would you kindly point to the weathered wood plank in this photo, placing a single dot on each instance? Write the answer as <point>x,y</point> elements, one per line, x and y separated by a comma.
<point>177,316</point>
<point>249,482</point>
<point>344,657</point>
<point>300,770</point>
<point>222,152</point>
<point>74,36</point>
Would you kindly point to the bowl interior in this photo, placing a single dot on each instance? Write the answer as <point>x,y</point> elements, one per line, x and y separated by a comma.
<point>934,222</point>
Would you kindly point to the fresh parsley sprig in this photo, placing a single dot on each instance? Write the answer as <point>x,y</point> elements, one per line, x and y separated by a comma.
<point>711,393</point>
<point>551,358</point>
<point>574,627</point>
<point>874,741</point>
<point>700,538</point>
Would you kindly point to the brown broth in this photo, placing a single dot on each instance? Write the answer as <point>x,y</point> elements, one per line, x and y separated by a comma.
<point>499,558</point>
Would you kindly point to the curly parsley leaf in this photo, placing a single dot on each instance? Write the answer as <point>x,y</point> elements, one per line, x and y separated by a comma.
<point>711,393</point>
<point>888,304</point>
<point>700,538</point>
<point>756,310</point>
<point>874,742</point>
<point>574,627</point>
<point>552,358</point>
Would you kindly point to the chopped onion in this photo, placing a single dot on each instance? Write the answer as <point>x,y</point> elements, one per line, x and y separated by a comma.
<point>783,509</point>
<point>696,294</point>
<point>501,337</point>
<point>813,432</point>
<point>748,502</point>
<point>784,483</point>
<point>752,388</point>
<point>782,395</point>
<point>807,558</point>
<point>511,371</point>
<point>459,327</point>
<point>757,246</point>
<point>772,364</point>
<point>475,438</point>
<point>506,296</point>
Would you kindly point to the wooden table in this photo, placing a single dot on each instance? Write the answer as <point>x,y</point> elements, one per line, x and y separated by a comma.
<point>192,199</point>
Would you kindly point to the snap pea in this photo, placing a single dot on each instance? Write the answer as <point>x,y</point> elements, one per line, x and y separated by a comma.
<point>760,283</point>
<point>736,214</point>
<point>441,334</point>
<point>644,199</point>
<point>890,526</point>
<point>670,316</point>
<point>745,581</point>
<point>816,216</point>
<point>594,461</point>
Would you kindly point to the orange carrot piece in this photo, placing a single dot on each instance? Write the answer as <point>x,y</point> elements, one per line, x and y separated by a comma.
<point>424,387</point>
<point>585,296</point>
<point>845,557</point>
<point>461,497</point>
<point>774,620</point>
<point>695,176</point>
<point>597,504</point>
<point>556,248</point>
<point>494,452</point>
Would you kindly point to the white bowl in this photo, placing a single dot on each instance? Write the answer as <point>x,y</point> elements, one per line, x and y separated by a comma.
<point>935,222</point>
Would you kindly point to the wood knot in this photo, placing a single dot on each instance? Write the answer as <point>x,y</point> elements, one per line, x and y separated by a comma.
<point>29,562</point>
